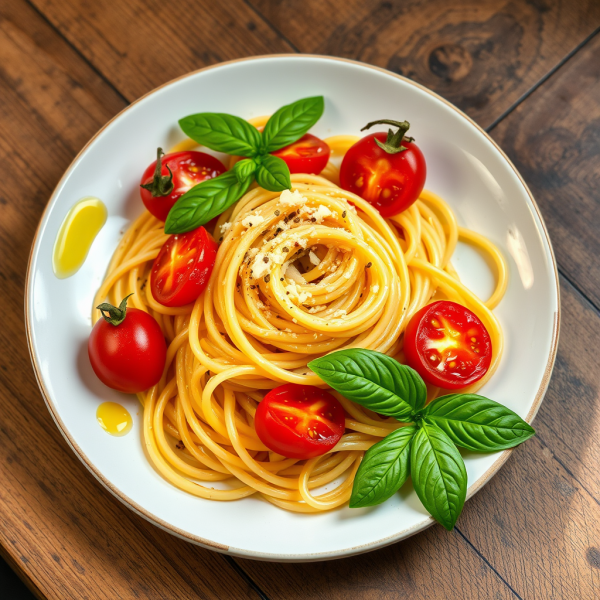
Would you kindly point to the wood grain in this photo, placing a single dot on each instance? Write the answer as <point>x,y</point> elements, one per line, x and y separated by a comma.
<point>139,45</point>
<point>65,532</point>
<point>480,54</point>
<point>554,140</point>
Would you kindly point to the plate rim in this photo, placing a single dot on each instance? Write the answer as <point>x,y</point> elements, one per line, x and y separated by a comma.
<point>243,552</point>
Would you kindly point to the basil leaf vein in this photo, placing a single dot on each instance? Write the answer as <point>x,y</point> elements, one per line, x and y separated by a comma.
<point>438,474</point>
<point>384,469</point>
<point>273,174</point>
<point>291,122</point>
<point>374,380</point>
<point>223,133</point>
<point>477,423</point>
<point>205,201</point>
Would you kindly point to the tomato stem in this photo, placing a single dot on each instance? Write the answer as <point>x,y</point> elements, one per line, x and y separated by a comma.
<point>115,315</point>
<point>161,185</point>
<point>393,143</point>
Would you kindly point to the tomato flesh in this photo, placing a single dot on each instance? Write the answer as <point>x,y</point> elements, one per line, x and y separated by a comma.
<point>299,421</point>
<point>189,168</point>
<point>448,345</point>
<point>390,182</point>
<point>129,357</point>
<point>181,270</point>
<point>309,154</point>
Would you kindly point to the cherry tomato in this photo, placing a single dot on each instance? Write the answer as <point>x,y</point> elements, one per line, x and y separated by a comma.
<point>128,357</point>
<point>188,168</point>
<point>390,182</point>
<point>299,421</point>
<point>181,270</point>
<point>447,345</point>
<point>309,154</point>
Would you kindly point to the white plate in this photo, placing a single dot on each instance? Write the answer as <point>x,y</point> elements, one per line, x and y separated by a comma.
<point>464,166</point>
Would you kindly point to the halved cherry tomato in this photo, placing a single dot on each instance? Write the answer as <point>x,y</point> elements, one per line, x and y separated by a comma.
<point>447,345</point>
<point>129,356</point>
<point>390,182</point>
<point>181,270</point>
<point>299,421</point>
<point>309,154</point>
<point>189,168</point>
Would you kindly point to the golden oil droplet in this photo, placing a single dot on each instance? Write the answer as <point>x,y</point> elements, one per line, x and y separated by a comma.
<point>114,418</point>
<point>77,232</point>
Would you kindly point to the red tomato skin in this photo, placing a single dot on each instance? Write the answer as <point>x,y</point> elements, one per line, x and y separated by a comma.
<point>371,173</point>
<point>281,438</point>
<point>416,335</point>
<point>192,277</point>
<point>129,357</point>
<point>189,168</point>
<point>309,154</point>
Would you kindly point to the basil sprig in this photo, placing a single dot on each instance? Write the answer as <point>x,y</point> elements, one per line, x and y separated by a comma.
<point>427,448</point>
<point>233,135</point>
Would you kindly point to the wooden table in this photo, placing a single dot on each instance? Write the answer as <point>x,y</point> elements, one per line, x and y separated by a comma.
<point>528,71</point>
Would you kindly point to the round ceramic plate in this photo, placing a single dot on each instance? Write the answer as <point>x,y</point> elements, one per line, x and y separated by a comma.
<point>464,166</point>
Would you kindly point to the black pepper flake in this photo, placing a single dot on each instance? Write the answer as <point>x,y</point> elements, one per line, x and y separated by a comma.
<point>344,215</point>
<point>278,231</point>
<point>277,213</point>
<point>285,249</point>
<point>281,279</point>
<point>221,239</point>
<point>369,265</point>
<point>267,278</point>
<point>287,293</point>
<point>252,287</point>
<point>265,232</point>
<point>291,215</point>
<point>266,259</point>
<point>297,220</point>
<point>180,445</point>
<point>250,224</point>
<point>313,219</point>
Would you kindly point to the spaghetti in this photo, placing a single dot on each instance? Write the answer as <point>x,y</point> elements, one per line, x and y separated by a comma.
<point>298,274</point>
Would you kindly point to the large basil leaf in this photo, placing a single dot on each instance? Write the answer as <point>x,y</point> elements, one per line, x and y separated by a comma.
<point>205,201</point>
<point>223,133</point>
<point>438,474</point>
<point>291,122</point>
<point>383,470</point>
<point>477,423</point>
<point>273,174</point>
<point>374,380</point>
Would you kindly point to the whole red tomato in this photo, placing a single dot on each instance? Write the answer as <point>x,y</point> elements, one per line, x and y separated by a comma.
<point>309,154</point>
<point>387,170</point>
<point>299,421</point>
<point>181,270</point>
<point>127,349</point>
<point>447,345</point>
<point>172,175</point>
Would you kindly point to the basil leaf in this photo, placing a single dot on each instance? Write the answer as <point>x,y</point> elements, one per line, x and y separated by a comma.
<point>383,470</point>
<point>291,122</point>
<point>477,423</point>
<point>245,168</point>
<point>223,133</point>
<point>204,201</point>
<point>374,380</point>
<point>438,474</point>
<point>273,174</point>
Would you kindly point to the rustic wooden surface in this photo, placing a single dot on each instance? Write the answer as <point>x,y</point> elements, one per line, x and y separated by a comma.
<point>527,70</point>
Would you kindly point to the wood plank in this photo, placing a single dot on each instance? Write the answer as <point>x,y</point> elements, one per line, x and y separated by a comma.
<point>58,526</point>
<point>554,139</point>
<point>138,47</point>
<point>482,55</point>
<point>537,523</point>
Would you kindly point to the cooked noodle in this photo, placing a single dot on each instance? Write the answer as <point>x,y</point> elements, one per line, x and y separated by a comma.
<point>297,275</point>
